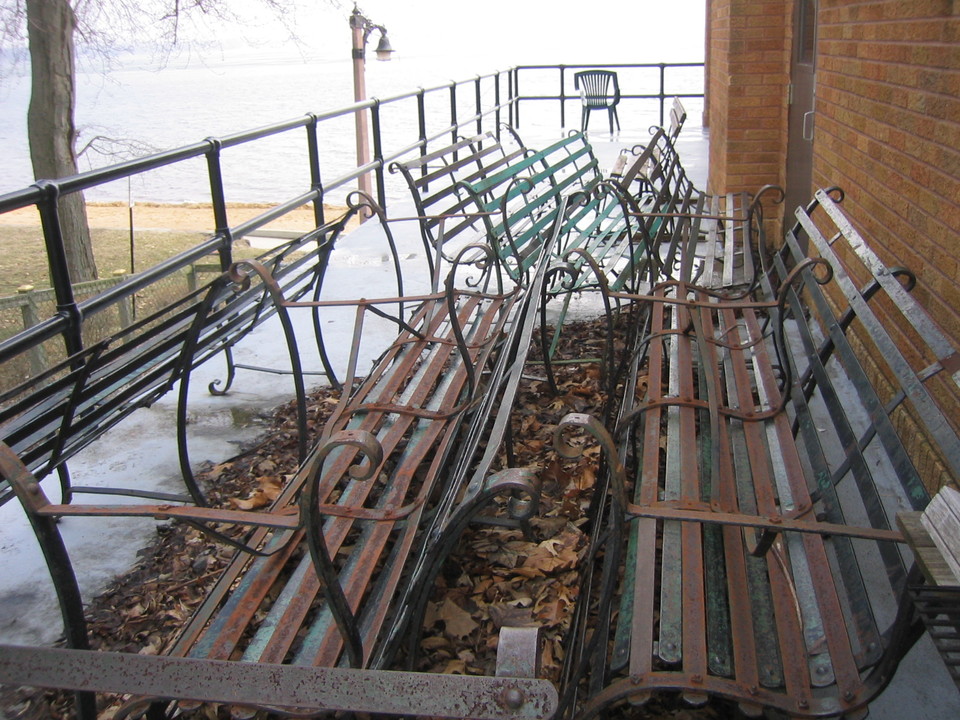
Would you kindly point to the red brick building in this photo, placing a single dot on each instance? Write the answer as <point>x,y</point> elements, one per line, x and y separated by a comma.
<point>863,94</point>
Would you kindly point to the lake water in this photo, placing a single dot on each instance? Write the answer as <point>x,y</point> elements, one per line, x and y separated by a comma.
<point>185,102</point>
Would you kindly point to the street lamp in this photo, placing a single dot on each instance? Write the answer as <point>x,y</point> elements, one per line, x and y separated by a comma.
<point>362,28</point>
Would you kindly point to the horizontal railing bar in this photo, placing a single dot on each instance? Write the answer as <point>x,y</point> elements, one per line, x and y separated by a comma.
<point>254,224</point>
<point>610,65</point>
<point>33,195</point>
<point>576,98</point>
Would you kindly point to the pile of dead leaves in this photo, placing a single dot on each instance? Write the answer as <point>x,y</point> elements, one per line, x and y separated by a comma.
<point>501,576</point>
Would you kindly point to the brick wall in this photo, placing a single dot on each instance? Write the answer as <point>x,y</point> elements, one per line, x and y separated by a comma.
<point>888,133</point>
<point>748,76</point>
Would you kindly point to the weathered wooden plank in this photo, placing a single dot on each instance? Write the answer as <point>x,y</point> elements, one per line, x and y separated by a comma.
<point>925,550</point>
<point>941,518</point>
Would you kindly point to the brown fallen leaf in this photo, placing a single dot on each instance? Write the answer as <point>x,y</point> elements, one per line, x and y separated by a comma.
<point>458,623</point>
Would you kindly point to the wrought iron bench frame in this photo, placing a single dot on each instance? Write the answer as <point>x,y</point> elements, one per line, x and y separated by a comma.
<point>421,432</point>
<point>512,195</point>
<point>755,510</point>
<point>52,416</point>
<point>721,236</point>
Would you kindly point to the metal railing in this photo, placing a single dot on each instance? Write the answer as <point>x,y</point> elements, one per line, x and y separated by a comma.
<point>651,78</point>
<point>445,111</point>
<point>483,103</point>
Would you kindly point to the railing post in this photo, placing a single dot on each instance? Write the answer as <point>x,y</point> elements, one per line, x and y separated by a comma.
<point>422,127</point>
<point>478,106</point>
<point>516,97</point>
<point>563,97</point>
<point>662,89</point>
<point>219,202</point>
<point>454,127</point>
<point>378,154</point>
<point>316,181</point>
<point>57,260</point>
<point>496,102</point>
<point>36,355</point>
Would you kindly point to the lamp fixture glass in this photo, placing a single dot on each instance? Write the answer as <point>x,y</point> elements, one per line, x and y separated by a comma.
<point>384,50</point>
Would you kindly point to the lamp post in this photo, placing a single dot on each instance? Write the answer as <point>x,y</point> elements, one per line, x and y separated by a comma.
<point>361,28</point>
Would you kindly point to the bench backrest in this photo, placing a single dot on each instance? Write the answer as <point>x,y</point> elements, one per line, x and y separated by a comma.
<point>655,184</point>
<point>49,418</point>
<point>522,198</point>
<point>869,370</point>
<point>678,116</point>
<point>446,212</point>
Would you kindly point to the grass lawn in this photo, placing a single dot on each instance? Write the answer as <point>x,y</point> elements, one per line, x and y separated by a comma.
<point>23,257</point>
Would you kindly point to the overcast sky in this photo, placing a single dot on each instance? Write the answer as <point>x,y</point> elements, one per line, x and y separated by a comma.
<point>523,31</point>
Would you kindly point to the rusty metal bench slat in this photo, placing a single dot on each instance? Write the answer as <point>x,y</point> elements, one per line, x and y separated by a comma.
<point>762,563</point>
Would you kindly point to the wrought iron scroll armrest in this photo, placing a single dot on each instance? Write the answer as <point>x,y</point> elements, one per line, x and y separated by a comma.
<point>755,218</point>
<point>453,318</point>
<point>573,271</point>
<point>793,283</point>
<point>609,536</point>
<point>360,203</point>
<point>514,134</point>
<point>523,185</point>
<point>312,512</point>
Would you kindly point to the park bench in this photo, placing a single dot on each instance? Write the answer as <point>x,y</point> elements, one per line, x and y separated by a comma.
<point>762,452</point>
<point>328,587</point>
<point>722,234</point>
<point>510,197</point>
<point>933,536</point>
<point>54,414</point>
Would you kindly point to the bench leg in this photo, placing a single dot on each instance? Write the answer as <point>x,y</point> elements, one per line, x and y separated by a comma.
<point>27,489</point>
<point>518,652</point>
<point>505,481</point>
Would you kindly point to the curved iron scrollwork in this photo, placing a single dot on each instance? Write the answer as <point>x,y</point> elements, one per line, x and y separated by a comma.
<point>521,185</point>
<point>462,347</point>
<point>754,221</point>
<point>607,534</point>
<point>236,279</point>
<point>312,515</point>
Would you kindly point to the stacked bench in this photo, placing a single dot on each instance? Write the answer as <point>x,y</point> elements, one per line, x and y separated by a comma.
<point>510,197</point>
<point>721,236</point>
<point>767,463</point>
<point>336,573</point>
<point>50,417</point>
<point>753,472</point>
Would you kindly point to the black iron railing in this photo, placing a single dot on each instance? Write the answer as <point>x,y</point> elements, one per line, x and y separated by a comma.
<point>647,82</point>
<point>484,103</point>
<point>430,116</point>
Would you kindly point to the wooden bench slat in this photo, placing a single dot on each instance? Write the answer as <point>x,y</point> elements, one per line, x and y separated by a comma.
<point>322,644</point>
<point>756,410</point>
<point>924,404</point>
<point>941,518</point>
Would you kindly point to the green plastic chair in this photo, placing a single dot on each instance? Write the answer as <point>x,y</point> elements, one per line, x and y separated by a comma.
<point>595,94</point>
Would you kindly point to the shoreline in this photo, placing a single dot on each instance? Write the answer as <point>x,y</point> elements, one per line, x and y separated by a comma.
<point>183,217</point>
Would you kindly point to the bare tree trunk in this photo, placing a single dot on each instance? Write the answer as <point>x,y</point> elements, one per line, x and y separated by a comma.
<point>50,27</point>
